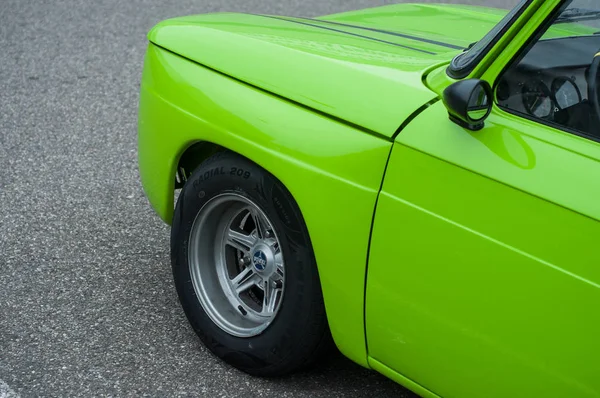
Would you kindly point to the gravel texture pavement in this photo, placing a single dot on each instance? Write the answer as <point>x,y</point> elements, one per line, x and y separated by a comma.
<point>87,305</point>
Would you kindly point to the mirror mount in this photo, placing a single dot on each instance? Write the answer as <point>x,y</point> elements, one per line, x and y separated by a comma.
<point>469,103</point>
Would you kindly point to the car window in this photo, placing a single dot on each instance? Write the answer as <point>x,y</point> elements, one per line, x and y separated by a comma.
<point>551,82</point>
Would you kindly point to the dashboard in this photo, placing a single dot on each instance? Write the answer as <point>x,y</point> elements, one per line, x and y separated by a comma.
<point>551,83</point>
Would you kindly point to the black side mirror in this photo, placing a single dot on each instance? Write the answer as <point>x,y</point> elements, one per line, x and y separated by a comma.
<point>469,103</point>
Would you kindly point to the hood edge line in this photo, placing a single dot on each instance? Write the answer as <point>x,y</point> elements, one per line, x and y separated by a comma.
<point>337,119</point>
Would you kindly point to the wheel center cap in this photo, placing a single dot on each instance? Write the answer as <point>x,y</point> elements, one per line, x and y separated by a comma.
<point>259,260</point>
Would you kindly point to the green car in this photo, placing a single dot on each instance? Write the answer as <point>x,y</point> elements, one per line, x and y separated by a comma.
<point>418,184</point>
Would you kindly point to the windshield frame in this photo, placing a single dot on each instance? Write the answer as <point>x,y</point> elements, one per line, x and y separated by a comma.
<point>479,50</point>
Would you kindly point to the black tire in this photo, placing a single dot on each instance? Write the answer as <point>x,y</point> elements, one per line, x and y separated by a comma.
<point>299,334</point>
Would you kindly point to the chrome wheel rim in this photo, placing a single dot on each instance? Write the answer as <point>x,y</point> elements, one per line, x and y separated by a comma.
<point>236,265</point>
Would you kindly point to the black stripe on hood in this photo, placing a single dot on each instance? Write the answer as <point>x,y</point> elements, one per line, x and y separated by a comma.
<point>387,32</point>
<point>349,33</point>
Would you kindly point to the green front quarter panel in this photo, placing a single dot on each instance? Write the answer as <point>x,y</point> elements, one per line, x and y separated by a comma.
<point>368,83</point>
<point>484,271</point>
<point>334,171</point>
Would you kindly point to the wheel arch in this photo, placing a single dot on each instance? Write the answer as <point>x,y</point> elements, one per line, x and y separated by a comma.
<point>192,157</point>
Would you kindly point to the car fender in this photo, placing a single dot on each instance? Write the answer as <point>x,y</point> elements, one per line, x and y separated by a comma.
<point>334,170</point>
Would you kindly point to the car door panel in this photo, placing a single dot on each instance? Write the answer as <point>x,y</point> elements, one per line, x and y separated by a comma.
<point>484,265</point>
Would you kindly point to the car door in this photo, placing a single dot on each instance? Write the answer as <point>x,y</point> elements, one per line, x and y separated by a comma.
<point>484,267</point>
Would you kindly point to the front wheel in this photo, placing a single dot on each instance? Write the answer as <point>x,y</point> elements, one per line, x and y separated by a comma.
<point>244,268</point>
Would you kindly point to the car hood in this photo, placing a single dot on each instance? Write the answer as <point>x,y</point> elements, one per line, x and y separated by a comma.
<point>364,67</point>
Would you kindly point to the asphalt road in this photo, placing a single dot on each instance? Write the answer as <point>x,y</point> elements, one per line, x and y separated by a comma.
<point>87,305</point>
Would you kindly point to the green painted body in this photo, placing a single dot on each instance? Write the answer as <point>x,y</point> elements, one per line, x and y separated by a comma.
<point>476,250</point>
<point>182,104</point>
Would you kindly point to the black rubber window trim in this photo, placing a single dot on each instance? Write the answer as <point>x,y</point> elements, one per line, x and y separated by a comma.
<point>463,72</point>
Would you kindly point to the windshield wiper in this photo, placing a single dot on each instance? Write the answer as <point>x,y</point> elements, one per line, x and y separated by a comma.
<point>577,15</point>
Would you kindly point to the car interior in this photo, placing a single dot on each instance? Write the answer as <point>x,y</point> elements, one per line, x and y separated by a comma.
<point>551,82</point>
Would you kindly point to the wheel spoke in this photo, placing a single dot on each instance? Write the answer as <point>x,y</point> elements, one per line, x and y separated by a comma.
<point>245,280</point>
<point>262,226</point>
<point>240,240</point>
<point>279,270</point>
<point>272,293</point>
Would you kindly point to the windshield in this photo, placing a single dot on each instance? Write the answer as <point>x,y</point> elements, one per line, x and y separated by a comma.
<point>464,63</point>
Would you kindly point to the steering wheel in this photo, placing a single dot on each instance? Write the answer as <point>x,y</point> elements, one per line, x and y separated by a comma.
<point>593,89</point>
